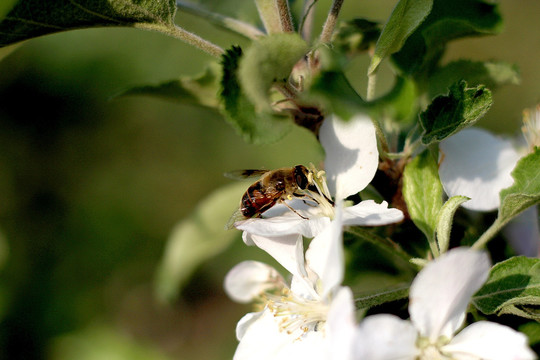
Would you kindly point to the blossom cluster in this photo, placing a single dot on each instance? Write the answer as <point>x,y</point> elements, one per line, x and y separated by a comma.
<point>311,314</point>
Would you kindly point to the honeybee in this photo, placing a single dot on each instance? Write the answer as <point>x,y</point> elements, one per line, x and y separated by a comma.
<point>273,187</point>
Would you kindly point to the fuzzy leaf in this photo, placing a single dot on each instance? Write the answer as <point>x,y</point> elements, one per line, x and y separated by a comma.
<point>405,18</point>
<point>525,191</point>
<point>492,74</point>
<point>268,61</point>
<point>447,21</point>
<point>448,114</point>
<point>200,90</point>
<point>366,301</point>
<point>423,193</point>
<point>445,219</point>
<point>513,287</point>
<point>255,127</point>
<point>32,18</point>
<point>196,239</point>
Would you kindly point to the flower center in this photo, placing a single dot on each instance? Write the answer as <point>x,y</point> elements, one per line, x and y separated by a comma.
<point>296,314</point>
<point>430,350</point>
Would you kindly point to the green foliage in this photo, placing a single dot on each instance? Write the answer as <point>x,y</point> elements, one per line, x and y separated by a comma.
<point>405,18</point>
<point>399,104</point>
<point>525,191</point>
<point>196,239</point>
<point>366,301</point>
<point>422,191</point>
<point>448,114</point>
<point>255,127</point>
<point>448,20</point>
<point>269,61</point>
<point>513,287</point>
<point>445,219</point>
<point>200,90</point>
<point>32,18</point>
<point>355,36</point>
<point>492,74</point>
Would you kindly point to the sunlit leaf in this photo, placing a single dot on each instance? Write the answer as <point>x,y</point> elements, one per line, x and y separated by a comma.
<point>492,74</point>
<point>405,18</point>
<point>32,18</point>
<point>5,7</point>
<point>197,239</point>
<point>445,219</point>
<point>423,193</point>
<point>447,21</point>
<point>448,114</point>
<point>513,287</point>
<point>525,191</point>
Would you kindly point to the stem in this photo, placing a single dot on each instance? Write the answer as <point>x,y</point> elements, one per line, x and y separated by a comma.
<point>372,82</point>
<point>186,36</point>
<point>306,25</point>
<point>488,235</point>
<point>331,20</point>
<point>228,23</point>
<point>285,15</point>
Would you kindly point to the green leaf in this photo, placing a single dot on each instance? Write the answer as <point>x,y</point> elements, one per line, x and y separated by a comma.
<point>255,127</point>
<point>197,239</point>
<point>355,36</point>
<point>366,301</point>
<point>447,21</point>
<point>525,191</point>
<point>445,219</point>
<point>399,104</point>
<point>422,191</point>
<point>269,61</point>
<point>448,114</point>
<point>32,18</point>
<point>513,287</point>
<point>405,18</point>
<point>492,74</point>
<point>201,90</point>
<point>6,6</point>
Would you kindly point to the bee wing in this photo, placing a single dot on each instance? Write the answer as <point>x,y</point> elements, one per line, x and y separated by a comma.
<point>245,174</point>
<point>235,217</point>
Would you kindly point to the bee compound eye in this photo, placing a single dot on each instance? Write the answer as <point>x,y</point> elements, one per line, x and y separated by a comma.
<point>300,177</point>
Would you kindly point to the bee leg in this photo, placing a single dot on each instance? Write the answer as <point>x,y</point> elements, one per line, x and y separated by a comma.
<point>287,205</point>
<point>311,198</point>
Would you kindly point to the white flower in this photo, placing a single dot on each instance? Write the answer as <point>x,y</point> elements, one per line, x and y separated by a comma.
<point>351,162</point>
<point>477,164</point>
<point>312,318</point>
<point>439,297</point>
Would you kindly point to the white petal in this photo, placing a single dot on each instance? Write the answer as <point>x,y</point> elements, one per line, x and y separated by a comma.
<point>288,250</point>
<point>441,291</point>
<point>340,324</point>
<point>369,213</point>
<point>245,322</point>
<point>325,254</point>
<point>491,341</point>
<point>477,164</point>
<point>385,337</point>
<point>247,280</point>
<point>523,233</point>
<point>264,340</point>
<point>285,224</point>
<point>351,154</point>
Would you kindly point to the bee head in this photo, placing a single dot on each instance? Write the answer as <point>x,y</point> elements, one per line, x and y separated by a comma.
<point>302,176</point>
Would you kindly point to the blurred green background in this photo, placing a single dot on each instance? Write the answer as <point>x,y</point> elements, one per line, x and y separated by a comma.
<point>90,188</point>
